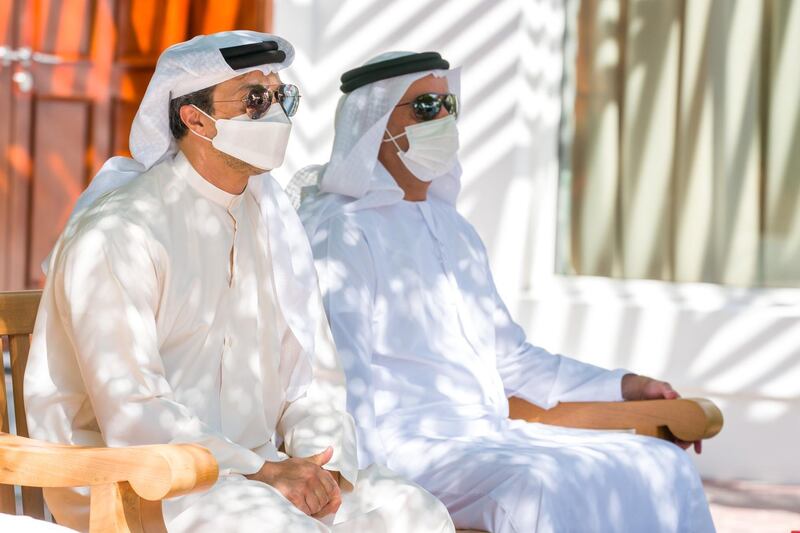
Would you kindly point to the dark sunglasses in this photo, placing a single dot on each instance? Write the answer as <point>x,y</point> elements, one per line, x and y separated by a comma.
<point>258,99</point>
<point>427,106</point>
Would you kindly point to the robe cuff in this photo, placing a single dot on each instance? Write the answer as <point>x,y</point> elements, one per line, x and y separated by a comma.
<point>346,461</point>
<point>582,382</point>
<point>234,459</point>
<point>605,386</point>
<point>304,442</point>
<point>611,388</point>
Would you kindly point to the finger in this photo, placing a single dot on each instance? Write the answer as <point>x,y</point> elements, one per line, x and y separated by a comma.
<point>682,443</point>
<point>329,482</point>
<point>698,447</point>
<point>667,392</point>
<point>321,495</point>
<point>322,457</point>
<point>301,504</point>
<point>313,504</point>
<point>331,508</point>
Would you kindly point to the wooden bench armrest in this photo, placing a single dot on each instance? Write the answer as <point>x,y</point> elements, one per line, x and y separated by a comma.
<point>154,472</point>
<point>686,419</point>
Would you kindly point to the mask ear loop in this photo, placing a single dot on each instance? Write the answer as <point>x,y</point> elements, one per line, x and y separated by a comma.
<point>209,116</point>
<point>394,139</point>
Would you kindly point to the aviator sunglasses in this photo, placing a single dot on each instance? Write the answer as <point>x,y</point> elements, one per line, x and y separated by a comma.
<point>259,98</point>
<point>427,106</point>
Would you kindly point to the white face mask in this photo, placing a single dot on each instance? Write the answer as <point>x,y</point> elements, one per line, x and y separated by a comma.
<point>432,147</point>
<point>261,142</point>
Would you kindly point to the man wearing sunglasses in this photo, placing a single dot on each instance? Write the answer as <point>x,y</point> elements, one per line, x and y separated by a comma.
<point>430,351</point>
<point>182,305</point>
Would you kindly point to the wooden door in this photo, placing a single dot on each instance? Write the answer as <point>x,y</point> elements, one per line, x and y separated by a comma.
<point>8,41</point>
<point>73,76</point>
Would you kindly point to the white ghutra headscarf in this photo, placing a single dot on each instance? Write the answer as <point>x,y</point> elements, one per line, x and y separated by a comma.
<point>181,69</point>
<point>349,182</point>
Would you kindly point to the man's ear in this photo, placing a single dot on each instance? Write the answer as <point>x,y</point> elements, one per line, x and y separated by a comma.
<point>196,121</point>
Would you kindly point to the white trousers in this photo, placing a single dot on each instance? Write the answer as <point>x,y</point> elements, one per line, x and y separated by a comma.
<point>380,502</point>
<point>527,478</point>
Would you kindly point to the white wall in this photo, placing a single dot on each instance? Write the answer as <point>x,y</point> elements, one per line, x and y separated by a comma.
<point>740,348</point>
<point>510,51</point>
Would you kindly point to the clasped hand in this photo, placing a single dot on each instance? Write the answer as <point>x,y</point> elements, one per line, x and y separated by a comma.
<point>304,482</point>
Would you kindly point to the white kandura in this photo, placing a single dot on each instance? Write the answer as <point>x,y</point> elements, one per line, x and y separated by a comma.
<point>431,354</point>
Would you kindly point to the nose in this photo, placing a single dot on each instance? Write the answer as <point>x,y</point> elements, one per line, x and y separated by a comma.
<point>442,112</point>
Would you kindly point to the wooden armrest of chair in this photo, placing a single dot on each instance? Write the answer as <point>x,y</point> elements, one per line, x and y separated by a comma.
<point>685,419</point>
<point>120,478</point>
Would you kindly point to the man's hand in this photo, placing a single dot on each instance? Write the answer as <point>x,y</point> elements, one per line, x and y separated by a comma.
<point>304,482</point>
<point>635,387</point>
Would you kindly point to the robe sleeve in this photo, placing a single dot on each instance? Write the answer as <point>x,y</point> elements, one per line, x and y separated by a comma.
<point>318,417</point>
<point>347,280</point>
<point>106,289</point>
<point>545,379</point>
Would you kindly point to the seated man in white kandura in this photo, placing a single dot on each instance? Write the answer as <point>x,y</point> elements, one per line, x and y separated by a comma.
<point>182,306</point>
<point>430,351</point>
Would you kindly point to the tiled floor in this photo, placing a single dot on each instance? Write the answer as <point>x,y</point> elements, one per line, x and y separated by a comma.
<point>748,507</point>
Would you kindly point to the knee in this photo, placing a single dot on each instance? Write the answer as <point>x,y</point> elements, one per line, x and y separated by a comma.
<point>403,499</point>
<point>429,510</point>
<point>524,479</point>
<point>675,458</point>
